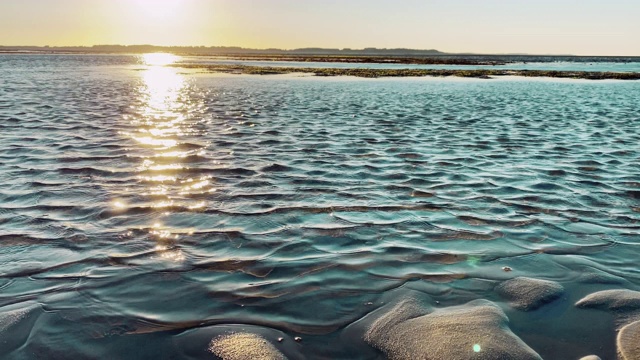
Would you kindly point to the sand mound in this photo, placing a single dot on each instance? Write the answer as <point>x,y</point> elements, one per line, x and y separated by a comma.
<point>244,346</point>
<point>529,294</point>
<point>629,342</point>
<point>611,300</point>
<point>12,317</point>
<point>477,330</point>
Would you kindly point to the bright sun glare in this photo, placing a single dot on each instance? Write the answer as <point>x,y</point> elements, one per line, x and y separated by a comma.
<point>159,59</point>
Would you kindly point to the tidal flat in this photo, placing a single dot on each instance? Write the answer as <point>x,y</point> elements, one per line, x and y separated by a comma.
<point>377,73</point>
<point>149,212</point>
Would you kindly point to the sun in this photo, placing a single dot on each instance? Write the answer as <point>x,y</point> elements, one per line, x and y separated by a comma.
<point>158,9</point>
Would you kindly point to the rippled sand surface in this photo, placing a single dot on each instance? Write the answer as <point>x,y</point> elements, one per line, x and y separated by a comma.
<point>145,211</point>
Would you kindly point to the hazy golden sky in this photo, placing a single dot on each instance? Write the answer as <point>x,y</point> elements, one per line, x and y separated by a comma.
<point>584,27</point>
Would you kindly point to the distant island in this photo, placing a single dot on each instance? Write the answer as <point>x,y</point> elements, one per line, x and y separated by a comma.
<point>316,54</point>
<point>217,50</point>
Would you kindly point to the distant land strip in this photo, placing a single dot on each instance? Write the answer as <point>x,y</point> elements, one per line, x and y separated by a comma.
<point>218,50</point>
<point>377,73</point>
<point>396,59</point>
<point>371,55</point>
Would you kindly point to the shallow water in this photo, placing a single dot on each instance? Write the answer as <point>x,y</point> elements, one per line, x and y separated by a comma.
<point>145,211</point>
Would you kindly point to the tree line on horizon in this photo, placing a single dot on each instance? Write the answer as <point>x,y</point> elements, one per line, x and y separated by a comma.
<point>219,50</point>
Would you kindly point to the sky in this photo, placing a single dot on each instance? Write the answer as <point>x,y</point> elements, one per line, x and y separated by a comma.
<point>579,27</point>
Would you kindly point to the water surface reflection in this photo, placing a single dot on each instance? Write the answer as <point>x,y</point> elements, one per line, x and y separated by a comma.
<point>168,118</point>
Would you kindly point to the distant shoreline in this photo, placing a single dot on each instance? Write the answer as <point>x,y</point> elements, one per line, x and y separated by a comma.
<point>378,73</point>
<point>353,59</point>
<point>441,59</point>
<point>366,55</point>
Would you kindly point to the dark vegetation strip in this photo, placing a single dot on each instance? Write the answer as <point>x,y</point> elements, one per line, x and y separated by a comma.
<point>433,60</point>
<point>376,73</point>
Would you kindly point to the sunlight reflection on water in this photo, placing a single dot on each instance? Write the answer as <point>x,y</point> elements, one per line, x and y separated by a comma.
<point>159,59</point>
<point>165,117</point>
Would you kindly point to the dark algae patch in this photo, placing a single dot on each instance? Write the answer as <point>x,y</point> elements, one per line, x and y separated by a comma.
<point>378,73</point>
<point>434,60</point>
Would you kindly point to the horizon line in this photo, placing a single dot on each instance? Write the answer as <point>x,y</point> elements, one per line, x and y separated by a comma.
<point>308,48</point>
